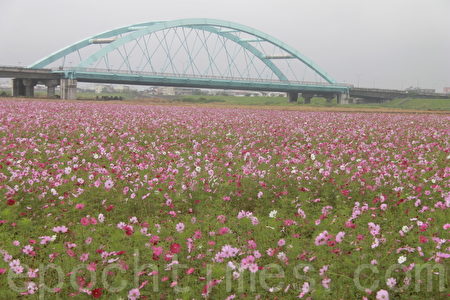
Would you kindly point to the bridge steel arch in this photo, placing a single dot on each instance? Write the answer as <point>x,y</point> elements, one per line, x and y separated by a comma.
<point>211,25</point>
<point>42,63</point>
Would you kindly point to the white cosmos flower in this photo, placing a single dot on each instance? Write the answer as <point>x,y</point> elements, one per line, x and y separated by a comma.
<point>401,259</point>
<point>273,214</point>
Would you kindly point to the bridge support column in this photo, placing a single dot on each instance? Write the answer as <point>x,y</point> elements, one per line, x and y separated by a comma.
<point>18,88</point>
<point>307,98</point>
<point>68,89</point>
<point>29,87</point>
<point>342,98</point>
<point>51,86</point>
<point>293,97</point>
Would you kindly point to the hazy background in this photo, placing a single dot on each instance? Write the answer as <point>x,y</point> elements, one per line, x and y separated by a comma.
<point>370,43</point>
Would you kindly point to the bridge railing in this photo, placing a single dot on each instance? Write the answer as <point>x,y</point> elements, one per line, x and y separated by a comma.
<point>187,76</point>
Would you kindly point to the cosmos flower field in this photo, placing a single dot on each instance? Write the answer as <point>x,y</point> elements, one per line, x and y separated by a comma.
<point>117,201</point>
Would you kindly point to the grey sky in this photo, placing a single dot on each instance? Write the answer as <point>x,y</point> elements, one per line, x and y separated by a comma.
<point>381,43</point>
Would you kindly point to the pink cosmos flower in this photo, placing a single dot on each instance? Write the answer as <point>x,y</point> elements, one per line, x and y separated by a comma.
<point>91,266</point>
<point>251,244</point>
<point>79,206</point>
<point>101,218</point>
<point>28,249</point>
<point>391,282</point>
<point>289,222</point>
<point>32,273</point>
<point>180,227</point>
<point>281,242</point>
<point>109,184</point>
<point>322,238</point>
<point>323,270</point>
<point>60,229</point>
<point>31,288</point>
<point>305,290</point>
<point>175,248</point>
<point>223,230</point>
<point>270,252</point>
<point>154,239</point>
<point>134,294</point>
<point>190,271</point>
<point>221,219</point>
<point>14,263</point>
<point>84,257</point>
<point>197,234</point>
<point>301,213</point>
<point>374,228</point>
<point>253,268</point>
<point>382,295</point>
<point>84,221</point>
<point>326,283</point>
<point>340,236</point>
<point>157,251</point>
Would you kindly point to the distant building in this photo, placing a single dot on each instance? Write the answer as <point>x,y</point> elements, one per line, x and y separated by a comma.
<point>166,91</point>
<point>418,90</point>
<point>186,91</point>
<point>100,89</point>
<point>5,84</point>
<point>447,90</point>
<point>276,94</point>
<point>122,88</point>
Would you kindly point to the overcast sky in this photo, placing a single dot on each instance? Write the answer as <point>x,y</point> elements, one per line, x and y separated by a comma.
<point>381,43</point>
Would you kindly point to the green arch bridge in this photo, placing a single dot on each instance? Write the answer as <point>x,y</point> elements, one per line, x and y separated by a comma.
<point>199,53</point>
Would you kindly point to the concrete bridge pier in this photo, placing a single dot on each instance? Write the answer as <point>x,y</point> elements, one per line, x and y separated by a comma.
<point>68,89</point>
<point>307,97</point>
<point>23,87</point>
<point>29,87</point>
<point>51,87</point>
<point>342,98</point>
<point>18,88</point>
<point>293,97</point>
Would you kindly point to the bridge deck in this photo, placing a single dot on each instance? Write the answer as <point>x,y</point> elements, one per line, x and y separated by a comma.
<point>27,73</point>
<point>166,79</point>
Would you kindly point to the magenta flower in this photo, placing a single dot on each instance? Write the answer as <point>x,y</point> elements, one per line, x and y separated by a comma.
<point>223,230</point>
<point>79,206</point>
<point>84,221</point>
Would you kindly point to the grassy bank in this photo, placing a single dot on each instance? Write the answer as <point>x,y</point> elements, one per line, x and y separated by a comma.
<point>415,104</point>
